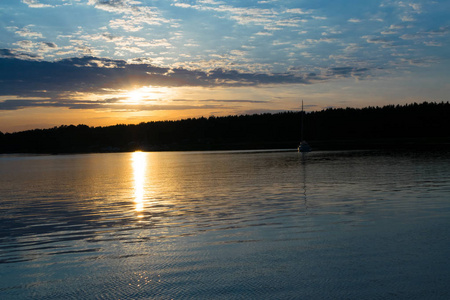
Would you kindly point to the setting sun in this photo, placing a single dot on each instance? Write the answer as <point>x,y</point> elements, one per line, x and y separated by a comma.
<point>147,93</point>
<point>135,96</point>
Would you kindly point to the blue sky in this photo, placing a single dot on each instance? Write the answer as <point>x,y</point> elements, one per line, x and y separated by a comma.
<point>103,62</point>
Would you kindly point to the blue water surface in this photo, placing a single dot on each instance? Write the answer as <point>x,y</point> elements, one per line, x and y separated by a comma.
<point>225,225</point>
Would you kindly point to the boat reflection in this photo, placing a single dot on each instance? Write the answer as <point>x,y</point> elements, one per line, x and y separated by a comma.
<point>305,198</point>
<point>139,162</point>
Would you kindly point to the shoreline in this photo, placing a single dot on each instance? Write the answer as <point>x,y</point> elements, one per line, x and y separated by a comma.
<point>417,144</point>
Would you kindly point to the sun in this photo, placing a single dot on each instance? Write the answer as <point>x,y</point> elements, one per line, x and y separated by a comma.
<point>147,95</point>
<point>136,96</point>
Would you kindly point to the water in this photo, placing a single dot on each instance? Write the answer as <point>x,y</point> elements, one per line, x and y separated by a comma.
<point>225,225</point>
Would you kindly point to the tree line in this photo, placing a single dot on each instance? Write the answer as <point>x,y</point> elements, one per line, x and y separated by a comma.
<point>427,123</point>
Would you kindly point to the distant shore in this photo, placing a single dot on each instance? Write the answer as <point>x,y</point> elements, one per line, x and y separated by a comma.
<point>414,126</point>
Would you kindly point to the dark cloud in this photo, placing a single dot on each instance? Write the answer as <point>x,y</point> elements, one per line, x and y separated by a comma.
<point>103,104</point>
<point>222,101</point>
<point>24,103</point>
<point>110,37</point>
<point>25,76</point>
<point>87,74</point>
<point>377,40</point>
<point>91,74</point>
<point>50,44</point>
<point>110,2</point>
<point>7,53</point>
<point>233,77</point>
<point>441,31</point>
<point>348,72</point>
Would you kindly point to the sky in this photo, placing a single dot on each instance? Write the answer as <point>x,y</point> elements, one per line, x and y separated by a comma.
<point>107,62</point>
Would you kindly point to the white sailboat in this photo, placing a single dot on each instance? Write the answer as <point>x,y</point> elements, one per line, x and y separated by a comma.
<point>304,146</point>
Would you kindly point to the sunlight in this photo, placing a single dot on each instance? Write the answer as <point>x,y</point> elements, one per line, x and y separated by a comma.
<point>135,96</point>
<point>139,160</point>
<point>147,93</point>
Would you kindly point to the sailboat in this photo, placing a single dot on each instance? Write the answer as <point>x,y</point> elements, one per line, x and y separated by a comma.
<point>304,146</point>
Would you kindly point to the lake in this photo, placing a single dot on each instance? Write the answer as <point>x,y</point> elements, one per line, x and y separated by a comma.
<point>225,225</point>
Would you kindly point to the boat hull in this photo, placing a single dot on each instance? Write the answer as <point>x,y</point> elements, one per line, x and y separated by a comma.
<point>304,147</point>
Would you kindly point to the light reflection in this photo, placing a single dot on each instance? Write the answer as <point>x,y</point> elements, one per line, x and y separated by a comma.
<point>139,160</point>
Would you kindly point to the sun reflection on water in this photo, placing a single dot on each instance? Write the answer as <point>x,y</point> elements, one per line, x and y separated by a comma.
<point>139,160</point>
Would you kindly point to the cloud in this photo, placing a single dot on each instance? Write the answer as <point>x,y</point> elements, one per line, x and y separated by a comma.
<point>125,25</point>
<point>378,40</point>
<point>269,18</point>
<point>310,42</point>
<point>406,6</point>
<point>297,11</point>
<point>25,44</point>
<point>431,34</point>
<point>238,52</point>
<point>10,53</point>
<point>408,18</point>
<point>108,37</point>
<point>222,101</point>
<point>92,73</point>
<point>135,16</point>
<point>418,62</point>
<point>60,79</point>
<point>347,72</point>
<point>406,10</point>
<point>35,4</point>
<point>433,44</point>
<point>210,2</point>
<point>16,104</point>
<point>26,32</point>
<point>36,47</point>
<point>50,45</point>
<point>130,49</point>
<point>155,43</point>
<point>442,31</point>
<point>264,33</point>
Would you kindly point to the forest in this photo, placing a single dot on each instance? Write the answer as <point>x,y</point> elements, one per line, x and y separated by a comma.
<point>423,125</point>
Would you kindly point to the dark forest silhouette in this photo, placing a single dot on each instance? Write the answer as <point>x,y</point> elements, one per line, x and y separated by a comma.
<point>412,125</point>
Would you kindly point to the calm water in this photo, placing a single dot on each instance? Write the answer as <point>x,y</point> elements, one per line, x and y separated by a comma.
<point>225,225</point>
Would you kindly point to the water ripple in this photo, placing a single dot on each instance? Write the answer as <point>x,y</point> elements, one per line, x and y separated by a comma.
<point>220,225</point>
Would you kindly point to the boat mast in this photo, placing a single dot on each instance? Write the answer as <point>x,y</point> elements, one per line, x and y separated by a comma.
<point>303,147</point>
<point>301,136</point>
